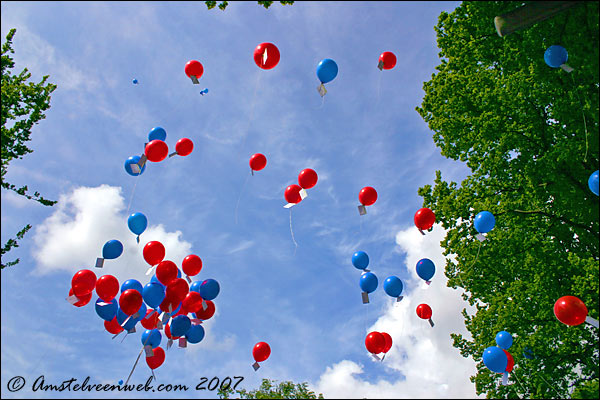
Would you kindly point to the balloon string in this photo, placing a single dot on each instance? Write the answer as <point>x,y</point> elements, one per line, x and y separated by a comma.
<point>519,382</point>
<point>584,122</point>
<point>559,395</point>
<point>379,86</point>
<point>131,198</point>
<point>238,200</point>
<point>252,105</point>
<point>292,232</point>
<point>138,358</point>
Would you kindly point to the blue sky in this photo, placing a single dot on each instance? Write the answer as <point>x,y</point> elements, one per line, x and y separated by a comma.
<point>305,301</point>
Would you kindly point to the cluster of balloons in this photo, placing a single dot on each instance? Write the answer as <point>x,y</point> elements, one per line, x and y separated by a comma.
<point>368,281</point>
<point>366,197</point>
<point>378,342</point>
<point>497,358</point>
<point>294,194</point>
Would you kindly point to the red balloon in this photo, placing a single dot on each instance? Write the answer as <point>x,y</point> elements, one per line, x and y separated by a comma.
<point>307,178</point>
<point>83,282</point>
<point>375,342</point>
<point>272,57</point>
<point>389,59</point>
<point>292,194</point>
<point>570,310</point>
<point>367,196</point>
<point>424,218</point>
<point>157,359</point>
<point>261,351</point>
<point>191,265</point>
<point>130,301</point>
<point>113,326</point>
<point>176,290</point>
<point>166,272</point>
<point>154,252</point>
<point>168,302</point>
<point>192,302</point>
<point>388,342</point>
<point>156,150</point>
<point>258,161</point>
<point>107,287</point>
<point>208,313</point>
<point>184,146</point>
<point>194,68</point>
<point>424,311</point>
<point>83,300</point>
<point>511,361</point>
<point>168,332</point>
<point>150,319</point>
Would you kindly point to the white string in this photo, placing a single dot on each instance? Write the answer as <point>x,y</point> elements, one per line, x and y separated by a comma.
<point>559,395</point>
<point>131,198</point>
<point>138,358</point>
<point>292,232</point>
<point>519,382</point>
<point>238,200</point>
<point>583,114</point>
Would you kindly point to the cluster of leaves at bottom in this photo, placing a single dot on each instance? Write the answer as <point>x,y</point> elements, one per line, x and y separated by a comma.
<point>269,390</point>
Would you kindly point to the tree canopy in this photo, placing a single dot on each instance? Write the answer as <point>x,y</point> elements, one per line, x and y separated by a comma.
<point>529,135</point>
<point>223,5</point>
<point>23,105</point>
<point>269,390</point>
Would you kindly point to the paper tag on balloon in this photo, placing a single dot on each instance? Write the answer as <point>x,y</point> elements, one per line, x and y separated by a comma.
<point>321,89</point>
<point>383,358</point>
<point>136,315</point>
<point>380,65</point>
<point>376,357</point>
<point>255,366</point>
<point>183,342</point>
<point>365,270</point>
<point>566,68</point>
<point>252,171</point>
<point>399,298</point>
<point>362,210</point>
<point>194,79</point>
<point>365,297</point>
<point>196,321</point>
<point>159,325</point>
<point>481,237</point>
<point>137,239</point>
<point>132,330</point>
<point>149,351</point>
<point>99,262</point>
<point>124,322</point>
<point>169,344</point>
<point>170,308</point>
<point>204,305</point>
<point>428,283</point>
<point>148,315</point>
<point>188,279</point>
<point>151,269</point>
<point>264,57</point>
<point>591,321</point>
<point>505,379</point>
<point>72,299</point>
<point>422,233</point>
<point>288,205</point>
<point>142,161</point>
<point>135,168</point>
<point>430,322</point>
<point>303,194</point>
<point>173,154</point>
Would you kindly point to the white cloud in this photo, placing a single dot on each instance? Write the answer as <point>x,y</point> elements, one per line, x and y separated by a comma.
<point>427,364</point>
<point>83,220</point>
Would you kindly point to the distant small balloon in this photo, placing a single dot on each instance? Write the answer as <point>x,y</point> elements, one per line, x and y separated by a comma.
<point>135,81</point>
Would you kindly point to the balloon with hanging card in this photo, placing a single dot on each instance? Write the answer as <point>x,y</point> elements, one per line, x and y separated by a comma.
<point>266,55</point>
<point>83,283</point>
<point>107,287</point>
<point>133,163</point>
<point>556,57</point>
<point>151,337</point>
<point>150,320</point>
<point>153,294</point>
<point>209,289</point>
<point>106,311</point>
<point>327,70</point>
<point>191,265</point>
<point>375,344</point>
<point>307,179</point>
<point>261,351</point>
<point>387,60</point>
<point>111,250</point>
<point>483,223</point>
<point>137,223</point>
<point>368,283</point>
<point>425,269</point>
<point>257,162</point>
<point>360,260</point>
<point>292,195</point>
<point>367,197</point>
<point>571,311</point>
<point>424,219</point>
<point>194,70</point>
<point>424,312</point>
<point>393,287</point>
<point>157,358</point>
<point>154,253</point>
<point>78,301</point>
<point>183,147</point>
<point>388,344</point>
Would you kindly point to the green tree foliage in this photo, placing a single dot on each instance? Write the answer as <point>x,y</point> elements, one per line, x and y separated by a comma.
<point>23,103</point>
<point>269,390</point>
<point>529,135</point>
<point>223,5</point>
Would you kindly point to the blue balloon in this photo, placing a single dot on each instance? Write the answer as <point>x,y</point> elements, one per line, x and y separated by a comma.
<point>133,160</point>
<point>153,294</point>
<point>112,249</point>
<point>154,279</point>
<point>157,133</point>
<point>593,182</point>
<point>108,311</point>
<point>137,223</point>
<point>368,282</point>
<point>555,56</point>
<point>504,340</point>
<point>360,260</point>
<point>327,70</point>
<point>425,269</point>
<point>178,273</point>
<point>528,353</point>
<point>180,325</point>
<point>121,316</point>
<point>495,359</point>
<point>151,337</point>
<point>195,286</point>
<point>484,222</point>
<point>393,286</point>
<point>121,382</point>
<point>195,334</point>
<point>135,81</point>
<point>209,289</point>
<point>132,284</point>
